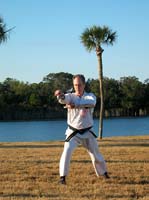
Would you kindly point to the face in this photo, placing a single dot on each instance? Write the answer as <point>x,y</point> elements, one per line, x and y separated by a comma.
<point>78,86</point>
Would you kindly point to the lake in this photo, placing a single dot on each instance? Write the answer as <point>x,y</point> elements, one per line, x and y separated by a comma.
<point>30,131</point>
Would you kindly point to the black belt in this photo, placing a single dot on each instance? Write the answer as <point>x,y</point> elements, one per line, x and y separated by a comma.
<point>80,131</point>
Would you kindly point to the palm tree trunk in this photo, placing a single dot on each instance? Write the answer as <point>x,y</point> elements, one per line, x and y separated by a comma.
<point>100,73</point>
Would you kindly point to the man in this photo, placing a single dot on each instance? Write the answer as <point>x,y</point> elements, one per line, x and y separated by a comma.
<point>80,107</point>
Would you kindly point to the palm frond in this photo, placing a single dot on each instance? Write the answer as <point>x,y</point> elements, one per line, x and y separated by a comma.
<point>95,36</point>
<point>109,36</point>
<point>88,39</point>
<point>3,31</point>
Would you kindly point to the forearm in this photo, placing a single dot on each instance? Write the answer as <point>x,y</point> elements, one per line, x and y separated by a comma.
<point>85,106</point>
<point>90,102</point>
<point>61,97</point>
<point>73,106</point>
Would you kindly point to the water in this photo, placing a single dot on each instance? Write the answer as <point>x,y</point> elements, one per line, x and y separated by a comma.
<point>55,130</point>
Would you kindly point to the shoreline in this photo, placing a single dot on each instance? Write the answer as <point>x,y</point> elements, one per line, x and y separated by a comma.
<point>110,138</point>
<point>65,118</point>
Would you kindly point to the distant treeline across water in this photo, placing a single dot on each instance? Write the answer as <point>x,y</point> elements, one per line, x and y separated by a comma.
<point>35,101</point>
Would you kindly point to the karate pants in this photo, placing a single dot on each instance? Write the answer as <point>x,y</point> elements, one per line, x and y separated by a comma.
<point>92,147</point>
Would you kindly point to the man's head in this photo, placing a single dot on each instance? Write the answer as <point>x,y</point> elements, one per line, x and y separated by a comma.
<point>79,84</point>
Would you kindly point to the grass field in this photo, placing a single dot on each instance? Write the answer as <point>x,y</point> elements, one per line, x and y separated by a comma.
<point>30,171</point>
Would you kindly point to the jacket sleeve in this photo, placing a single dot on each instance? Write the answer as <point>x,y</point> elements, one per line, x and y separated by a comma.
<point>88,100</point>
<point>64,99</point>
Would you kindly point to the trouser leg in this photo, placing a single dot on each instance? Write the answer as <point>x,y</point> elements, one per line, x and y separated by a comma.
<point>96,157</point>
<point>66,156</point>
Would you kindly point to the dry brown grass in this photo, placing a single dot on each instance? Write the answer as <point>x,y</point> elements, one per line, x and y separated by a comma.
<point>29,171</point>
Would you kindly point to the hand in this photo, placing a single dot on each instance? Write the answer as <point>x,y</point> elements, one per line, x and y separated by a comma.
<point>70,106</point>
<point>58,93</point>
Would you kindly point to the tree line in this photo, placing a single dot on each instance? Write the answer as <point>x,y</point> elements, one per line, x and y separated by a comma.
<point>35,101</point>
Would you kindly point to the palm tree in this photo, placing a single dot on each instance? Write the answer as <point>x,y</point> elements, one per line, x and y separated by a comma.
<point>3,31</point>
<point>92,38</point>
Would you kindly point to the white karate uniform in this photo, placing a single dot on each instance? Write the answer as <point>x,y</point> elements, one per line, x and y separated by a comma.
<point>81,118</point>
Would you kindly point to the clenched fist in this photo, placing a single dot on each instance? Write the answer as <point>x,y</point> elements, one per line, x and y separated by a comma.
<point>58,93</point>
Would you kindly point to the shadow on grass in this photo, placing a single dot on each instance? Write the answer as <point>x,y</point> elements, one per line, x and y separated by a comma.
<point>3,146</point>
<point>134,196</point>
<point>125,145</point>
<point>132,182</point>
<point>125,140</point>
<point>31,146</point>
<point>113,161</point>
<point>127,161</point>
<point>27,195</point>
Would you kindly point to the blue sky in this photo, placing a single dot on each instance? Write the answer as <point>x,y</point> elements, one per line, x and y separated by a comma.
<point>46,38</point>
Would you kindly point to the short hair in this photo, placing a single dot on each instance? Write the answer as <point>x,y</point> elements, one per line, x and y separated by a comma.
<point>79,76</point>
